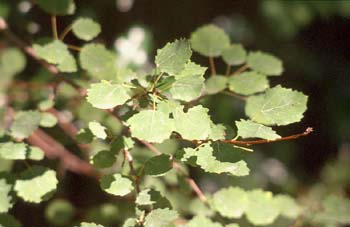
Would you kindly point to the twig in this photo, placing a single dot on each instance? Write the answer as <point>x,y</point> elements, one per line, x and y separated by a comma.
<point>212,66</point>
<point>234,95</point>
<point>240,69</point>
<point>66,31</point>
<point>72,47</point>
<point>54,26</point>
<point>292,137</point>
<point>228,70</point>
<point>53,149</point>
<point>30,51</point>
<point>129,159</point>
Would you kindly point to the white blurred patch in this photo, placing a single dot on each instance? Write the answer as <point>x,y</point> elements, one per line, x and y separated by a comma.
<point>130,49</point>
<point>275,171</point>
<point>24,6</point>
<point>124,5</point>
<point>33,27</point>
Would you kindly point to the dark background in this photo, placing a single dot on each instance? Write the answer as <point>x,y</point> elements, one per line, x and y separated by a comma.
<point>311,37</point>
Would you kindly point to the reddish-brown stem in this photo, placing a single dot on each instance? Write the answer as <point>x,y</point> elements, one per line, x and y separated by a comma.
<point>234,95</point>
<point>212,66</point>
<point>129,159</point>
<point>240,70</point>
<point>54,26</point>
<point>247,143</point>
<point>228,70</point>
<point>53,149</point>
<point>30,51</point>
<point>67,126</point>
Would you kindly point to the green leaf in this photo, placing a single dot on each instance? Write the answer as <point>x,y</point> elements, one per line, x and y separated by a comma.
<point>46,104</point>
<point>98,130</point>
<point>230,202</point>
<point>35,153</point>
<point>151,125</point>
<point>248,83</point>
<point>287,206</point>
<point>262,209</point>
<point>86,29</point>
<point>160,217</point>
<point>234,54</point>
<point>104,159</point>
<point>130,222</point>
<point>201,220</point>
<point>188,83</point>
<point>19,151</point>
<point>13,151</point>
<point>105,95</point>
<point>59,212</point>
<point>151,197</point>
<point>158,165</point>
<point>25,123</point>
<point>265,63</point>
<point>195,124</point>
<point>209,40</point>
<point>335,211</point>
<point>86,224</point>
<point>48,120</point>
<point>12,61</point>
<point>173,56</point>
<point>84,136</point>
<point>208,162</point>
<point>215,84</point>
<point>116,184</point>
<point>56,52</point>
<point>5,197</point>
<point>278,106</point>
<point>36,184</point>
<point>250,129</point>
<point>98,61</point>
<point>217,132</point>
<point>57,7</point>
<point>7,220</point>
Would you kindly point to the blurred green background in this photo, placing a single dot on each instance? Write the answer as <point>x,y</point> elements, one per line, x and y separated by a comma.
<point>311,37</point>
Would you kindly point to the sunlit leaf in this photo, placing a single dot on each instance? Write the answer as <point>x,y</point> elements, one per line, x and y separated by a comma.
<point>105,95</point>
<point>265,63</point>
<point>36,184</point>
<point>116,184</point>
<point>250,129</point>
<point>86,28</point>
<point>172,57</point>
<point>209,40</point>
<point>234,54</point>
<point>248,83</point>
<point>278,106</point>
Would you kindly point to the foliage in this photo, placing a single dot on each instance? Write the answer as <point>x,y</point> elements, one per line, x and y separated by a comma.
<point>143,132</point>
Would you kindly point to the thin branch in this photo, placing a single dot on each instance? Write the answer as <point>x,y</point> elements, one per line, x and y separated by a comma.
<point>54,26</point>
<point>30,51</point>
<point>240,69</point>
<point>292,137</point>
<point>212,66</point>
<point>72,47</point>
<point>228,70</point>
<point>234,95</point>
<point>129,159</point>
<point>53,149</point>
<point>66,31</point>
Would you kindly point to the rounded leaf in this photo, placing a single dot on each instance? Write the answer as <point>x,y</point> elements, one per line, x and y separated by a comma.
<point>105,95</point>
<point>59,212</point>
<point>230,202</point>
<point>116,184</point>
<point>86,29</point>
<point>209,40</point>
<point>234,54</point>
<point>248,83</point>
<point>265,63</point>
